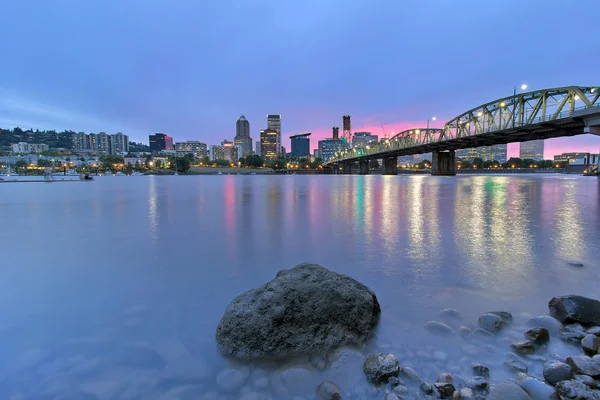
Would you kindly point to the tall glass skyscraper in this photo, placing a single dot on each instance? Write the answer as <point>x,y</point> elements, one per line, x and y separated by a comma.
<point>533,149</point>
<point>242,136</point>
<point>268,144</point>
<point>300,145</point>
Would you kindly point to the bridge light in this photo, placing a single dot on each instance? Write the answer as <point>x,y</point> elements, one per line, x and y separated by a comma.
<point>523,86</point>
<point>417,131</point>
<point>593,90</point>
<point>480,114</point>
<point>503,104</point>
<point>576,97</point>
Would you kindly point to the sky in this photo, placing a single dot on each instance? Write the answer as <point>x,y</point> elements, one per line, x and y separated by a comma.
<point>190,68</point>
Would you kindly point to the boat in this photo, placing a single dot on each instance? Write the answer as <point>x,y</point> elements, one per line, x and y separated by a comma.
<point>120,173</point>
<point>220,172</point>
<point>137,174</point>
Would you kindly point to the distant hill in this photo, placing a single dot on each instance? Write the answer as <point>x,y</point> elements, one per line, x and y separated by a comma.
<point>53,139</point>
<point>138,147</point>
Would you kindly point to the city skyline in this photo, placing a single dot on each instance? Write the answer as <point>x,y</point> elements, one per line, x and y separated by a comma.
<point>160,86</point>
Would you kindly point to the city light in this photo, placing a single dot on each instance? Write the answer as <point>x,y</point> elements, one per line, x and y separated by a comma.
<point>523,86</point>
<point>576,97</point>
<point>503,104</point>
<point>480,114</point>
<point>433,118</point>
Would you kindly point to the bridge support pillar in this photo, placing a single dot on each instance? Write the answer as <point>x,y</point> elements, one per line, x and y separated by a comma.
<point>363,167</point>
<point>443,163</point>
<point>346,168</point>
<point>390,166</point>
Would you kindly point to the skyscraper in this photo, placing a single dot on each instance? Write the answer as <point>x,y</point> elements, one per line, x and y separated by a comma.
<point>533,149</point>
<point>242,136</point>
<point>269,149</point>
<point>160,141</point>
<point>496,152</point>
<point>300,145</point>
<point>274,123</point>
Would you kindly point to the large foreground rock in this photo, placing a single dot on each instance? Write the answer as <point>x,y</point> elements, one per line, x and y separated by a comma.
<point>303,310</point>
<point>508,390</point>
<point>574,308</point>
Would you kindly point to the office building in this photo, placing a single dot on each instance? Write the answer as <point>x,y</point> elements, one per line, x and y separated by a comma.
<point>230,151</point>
<point>257,148</point>
<point>496,152</point>
<point>570,157</point>
<point>274,123</point>
<point>23,147</point>
<point>242,136</point>
<point>160,142</point>
<point>328,147</point>
<point>269,148</point>
<point>533,150</point>
<point>300,145</point>
<point>361,139</point>
<point>198,149</point>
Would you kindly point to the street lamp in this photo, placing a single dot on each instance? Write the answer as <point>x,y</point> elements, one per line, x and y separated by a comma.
<point>523,87</point>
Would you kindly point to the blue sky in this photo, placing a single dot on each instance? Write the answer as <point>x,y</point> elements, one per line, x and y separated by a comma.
<point>191,68</point>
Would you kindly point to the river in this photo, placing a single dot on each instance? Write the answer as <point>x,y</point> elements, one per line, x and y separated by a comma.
<point>103,283</point>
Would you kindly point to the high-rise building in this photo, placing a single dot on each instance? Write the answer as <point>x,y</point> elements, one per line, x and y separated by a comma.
<point>242,136</point>
<point>104,143</point>
<point>328,147</point>
<point>336,132</point>
<point>300,145</point>
<point>274,123</point>
<point>347,129</point>
<point>101,143</point>
<point>24,147</point>
<point>361,139</point>
<point>257,148</point>
<point>160,142</point>
<point>269,149</point>
<point>500,153</point>
<point>496,152</point>
<point>198,149</point>
<point>120,143</point>
<point>533,149</point>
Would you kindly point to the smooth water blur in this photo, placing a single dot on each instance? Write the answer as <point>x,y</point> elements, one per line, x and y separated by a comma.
<point>91,268</point>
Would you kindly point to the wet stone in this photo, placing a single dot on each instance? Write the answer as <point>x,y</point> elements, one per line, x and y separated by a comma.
<point>524,347</point>
<point>426,388</point>
<point>507,390</point>
<point>491,322</point>
<point>584,365</point>
<point>574,327</point>
<point>445,378</point>
<point>445,390</point>
<point>400,390</point>
<point>590,344</point>
<point>410,374</point>
<point>594,330</point>
<point>537,389</point>
<point>572,336</point>
<point>515,365</point>
<point>464,332</point>
<point>451,315</point>
<point>555,372</point>
<point>574,390</point>
<point>483,335</point>
<point>439,328</point>
<point>551,324</point>
<point>478,384</point>
<point>393,381</point>
<point>379,367</point>
<point>392,396</point>
<point>538,334</point>
<point>587,380</point>
<point>466,394</point>
<point>481,370</point>
<point>328,390</point>
<point>506,316</point>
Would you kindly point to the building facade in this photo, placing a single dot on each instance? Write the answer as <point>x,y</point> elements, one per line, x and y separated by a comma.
<point>496,152</point>
<point>257,150</point>
<point>328,147</point>
<point>570,157</point>
<point>160,142</point>
<point>120,143</point>
<point>533,150</point>
<point>300,145</point>
<point>242,136</point>
<point>269,148</point>
<point>101,143</point>
<point>198,149</point>
<point>274,123</point>
<point>23,147</point>
<point>361,139</point>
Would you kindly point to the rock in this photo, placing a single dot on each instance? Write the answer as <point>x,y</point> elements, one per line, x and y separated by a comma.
<point>481,370</point>
<point>574,308</point>
<point>524,347</point>
<point>483,335</point>
<point>379,367</point>
<point>470,349</point>
<point>231,380</point>
<point>575,327</point>
<point>426,388</point>
<point>478,384</point>
<point>574,337</point>
<point>491,322</point>
<point>584,365</point>
<point>508,390</point>
<point>445,378</point>
<point>594,330</point>
<point>587,380</point>
<point>445,390</point>
<point>303,310</point>
<point>451,315</point>
<point>346,366</point>
<point>590,344</point>
<point>400,390</point>
<point>575,264</point>
<point>439,328</point>
<point>537,389</point>
<point>464,332</point>
<point>515,365</point>
<point>328,390</point>
<point>550,323</point>
<point>466,394</point>
<point>506,316</point>
<point>392,396</point>
<point>555,372</point>
<point>410,374</point>
<point>574,390</point>
<point>538,334</point>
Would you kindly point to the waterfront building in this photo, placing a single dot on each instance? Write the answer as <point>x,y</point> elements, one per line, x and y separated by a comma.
<point>195,147</point>
<point>100,143</point>
<point>496,152</point>
<point>533,149</point>
<point>120,143</point>
<point>570,157</point>
<point>257,148</point>
<point>160,142</point>
<point>300,145</point>
<point>328,147</point>
<point>274,123</point>
<point>268,144</point>
<point>226,151</point>
<point>361,139</point>
<point>23,147</point>
<point>242,136</point>
<point>104,143</point>
<point>317,153</point>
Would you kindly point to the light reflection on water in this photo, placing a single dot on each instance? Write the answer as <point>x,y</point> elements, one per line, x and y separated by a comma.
<point>144,260</point>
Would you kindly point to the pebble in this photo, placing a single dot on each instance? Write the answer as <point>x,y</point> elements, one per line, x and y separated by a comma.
<point>318,361</point>
<point>439,328</point>
<point>445,390</point>
<point>410,373</point>
<point>584,365</point>
<point>466,394</point>
<point>537,389</point>
<point>445,378</point>
<point>506,316</point>
<point>587,380</point>
<point>482,334</point>
<point>392,396</point>
<point>551,324</point>
<point>480,370</point>
<point>491,322</point>
<point>555,372</point>
<point>470,349</point>
<point>572,336</point>
<point>576,390</point>
<point>426,388</point>
<point>478,383</point>
<point>524,347</point>
<point>328,390</point>
<point>538,335</point>
<point>594,330</point>
<point>590,344</point>
<point>379,367</point>
<point>464,332</point>
<point>516,365</point>
<point>400,389</point>
<point>507,390</point>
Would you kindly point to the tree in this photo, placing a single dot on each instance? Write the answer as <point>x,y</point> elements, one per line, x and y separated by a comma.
<point>182,164</point>
<point>318,162</point>
<point>20,165</point>
<point>189,157</point>
<point>205,160</point>
<point>487,164</point>
<point>253,161</point>
<point>374,164</point>
<point>464,164</point>
<point>528,163</point>
<point>477,163</point>
<point>220,163</point>
<point>515,162</point>
<point>109,160</point>
<point>44,163</point>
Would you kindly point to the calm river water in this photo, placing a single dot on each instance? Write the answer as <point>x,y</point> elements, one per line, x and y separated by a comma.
<point>105,285</point>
